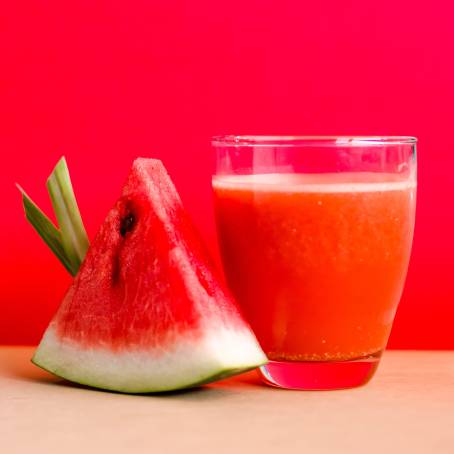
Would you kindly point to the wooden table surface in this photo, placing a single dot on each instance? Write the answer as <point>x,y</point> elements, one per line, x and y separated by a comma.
<point>407,408</point>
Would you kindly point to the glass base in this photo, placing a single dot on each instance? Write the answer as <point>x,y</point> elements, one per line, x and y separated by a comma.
<point>320,375</point>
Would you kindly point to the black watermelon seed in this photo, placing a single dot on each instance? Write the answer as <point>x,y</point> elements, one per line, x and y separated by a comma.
<point>127,224</point>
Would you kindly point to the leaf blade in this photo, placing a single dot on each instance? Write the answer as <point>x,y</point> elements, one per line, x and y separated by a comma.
<point>74,237</point>
<point>46,230</point>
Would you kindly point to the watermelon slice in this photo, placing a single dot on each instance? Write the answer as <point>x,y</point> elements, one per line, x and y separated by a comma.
<point>146,312</point>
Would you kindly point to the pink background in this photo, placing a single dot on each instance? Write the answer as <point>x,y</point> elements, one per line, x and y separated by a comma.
<point>102,82</point>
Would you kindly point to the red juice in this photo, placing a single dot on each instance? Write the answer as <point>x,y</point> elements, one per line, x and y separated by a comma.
<point>316,261</point>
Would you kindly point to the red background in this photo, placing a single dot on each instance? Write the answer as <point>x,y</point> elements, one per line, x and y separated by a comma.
<point>102,82</point>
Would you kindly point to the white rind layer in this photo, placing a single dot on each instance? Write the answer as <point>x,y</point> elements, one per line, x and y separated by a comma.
<point>190,361</point>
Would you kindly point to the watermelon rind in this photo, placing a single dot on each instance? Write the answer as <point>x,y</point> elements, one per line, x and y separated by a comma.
<point>191,362</point>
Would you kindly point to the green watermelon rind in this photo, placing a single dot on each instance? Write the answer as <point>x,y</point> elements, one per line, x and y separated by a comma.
<point>224,374</point>
<point>67,360</point>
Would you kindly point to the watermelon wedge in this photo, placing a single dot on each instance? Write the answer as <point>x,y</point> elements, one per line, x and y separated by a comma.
<point>145,312</point>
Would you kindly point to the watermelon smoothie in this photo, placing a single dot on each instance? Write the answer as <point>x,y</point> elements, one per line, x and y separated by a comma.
<point>317,262</point>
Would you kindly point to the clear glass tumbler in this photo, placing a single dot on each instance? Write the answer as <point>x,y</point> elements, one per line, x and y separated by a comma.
<point>315,236</point>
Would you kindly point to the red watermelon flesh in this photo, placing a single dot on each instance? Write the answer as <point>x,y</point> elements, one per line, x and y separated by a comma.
<point>146,311</point>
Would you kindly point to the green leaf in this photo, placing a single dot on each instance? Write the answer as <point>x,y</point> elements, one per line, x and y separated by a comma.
<point>70,242</point>
<point>74,238</point>
<point>46,229</point>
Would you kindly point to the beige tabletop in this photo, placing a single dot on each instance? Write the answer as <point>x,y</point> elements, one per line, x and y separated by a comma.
<point>407,408</point>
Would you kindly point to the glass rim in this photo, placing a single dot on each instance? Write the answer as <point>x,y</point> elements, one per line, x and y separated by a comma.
<point>301,141</point>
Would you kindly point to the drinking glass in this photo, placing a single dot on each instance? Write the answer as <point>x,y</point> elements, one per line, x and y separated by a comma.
<point>315,236</point>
